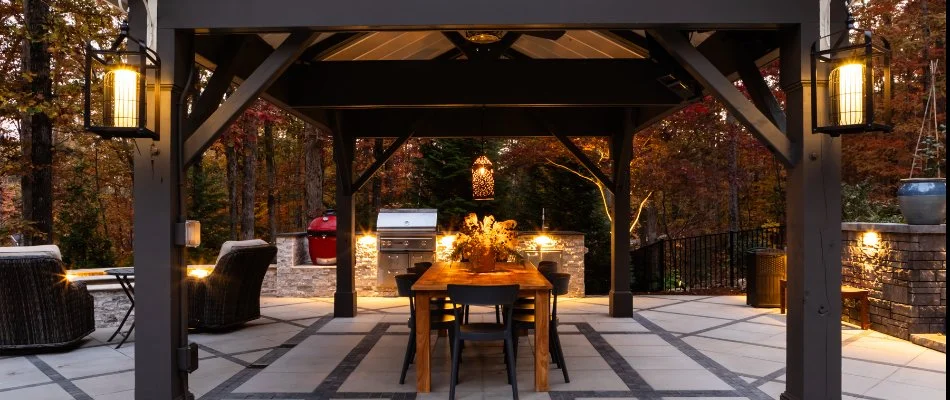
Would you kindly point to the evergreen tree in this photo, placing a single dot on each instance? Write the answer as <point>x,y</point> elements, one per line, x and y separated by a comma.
<point>83,243</point>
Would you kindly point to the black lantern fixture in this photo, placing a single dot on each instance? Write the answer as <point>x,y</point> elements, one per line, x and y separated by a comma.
<point>483,179</point>
<point>858,98</point>
<point>121,75</point>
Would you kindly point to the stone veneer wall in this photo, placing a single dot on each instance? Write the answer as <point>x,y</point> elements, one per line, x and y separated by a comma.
<point>906,273</point>
<point>294,275</point>
<point>110,306</point>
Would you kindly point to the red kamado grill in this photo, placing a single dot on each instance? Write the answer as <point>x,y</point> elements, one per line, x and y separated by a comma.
<point>321,235</point>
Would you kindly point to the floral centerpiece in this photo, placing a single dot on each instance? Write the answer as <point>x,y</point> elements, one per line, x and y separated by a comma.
<point>482,243</point>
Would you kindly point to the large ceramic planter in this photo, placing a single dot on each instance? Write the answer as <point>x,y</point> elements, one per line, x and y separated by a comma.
<point>923,200</point>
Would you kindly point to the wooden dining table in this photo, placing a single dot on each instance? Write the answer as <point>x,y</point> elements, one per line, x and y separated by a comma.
<point>434,283</point>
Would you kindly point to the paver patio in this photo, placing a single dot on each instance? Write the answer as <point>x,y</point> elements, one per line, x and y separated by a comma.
<point>674,347</point>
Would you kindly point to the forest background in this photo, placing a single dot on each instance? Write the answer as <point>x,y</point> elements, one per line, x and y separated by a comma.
<point>696,172</point>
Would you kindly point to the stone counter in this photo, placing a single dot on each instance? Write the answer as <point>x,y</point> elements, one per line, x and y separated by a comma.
<point>295,275</point>
<point>905,269</point>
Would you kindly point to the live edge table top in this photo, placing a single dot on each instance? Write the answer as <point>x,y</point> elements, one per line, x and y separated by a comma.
<point>441,274</point>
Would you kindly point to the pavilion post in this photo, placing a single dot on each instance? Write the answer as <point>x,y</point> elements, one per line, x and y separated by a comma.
<point>161,327</point>
<point>344,299</point>
<point>621,151</point>
<point>813,220</point>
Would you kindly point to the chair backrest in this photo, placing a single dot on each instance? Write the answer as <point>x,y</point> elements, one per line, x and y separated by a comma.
<point>404,284</point>
<point>240,272</point>
<point>561,282</point>
<point>32,291</point>
<point>419,267</point>
<point>483,295</point>
<point>547,267</point>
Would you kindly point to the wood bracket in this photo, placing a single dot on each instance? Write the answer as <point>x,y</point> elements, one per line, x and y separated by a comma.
<point>706,73</point>
<point>578,155</point>
<point>262,77</point>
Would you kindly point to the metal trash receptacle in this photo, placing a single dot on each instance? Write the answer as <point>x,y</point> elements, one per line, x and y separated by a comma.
<point>764,269</point>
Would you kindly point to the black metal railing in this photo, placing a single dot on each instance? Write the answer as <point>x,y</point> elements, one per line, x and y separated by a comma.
<point>699,262</point>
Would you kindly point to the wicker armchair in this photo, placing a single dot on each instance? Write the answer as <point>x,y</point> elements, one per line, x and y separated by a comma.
<point>39,308</point>
<point>231,294</point>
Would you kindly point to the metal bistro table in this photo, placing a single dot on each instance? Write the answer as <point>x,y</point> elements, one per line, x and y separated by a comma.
<point>434,283</point>
<point>122,275</point>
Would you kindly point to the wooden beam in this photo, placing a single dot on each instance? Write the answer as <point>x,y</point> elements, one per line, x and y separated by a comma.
<point>373,15</point>
<point>737,104</point>
<point>476,83</point>
<point>580,157</point>
<point>221,80</point>
<point>478,122</point>
<point>759,91</point>
<point>263,76</point>
<point>373,168</point>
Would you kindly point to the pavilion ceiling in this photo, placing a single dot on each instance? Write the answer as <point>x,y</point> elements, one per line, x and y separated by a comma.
<point>413,79</point>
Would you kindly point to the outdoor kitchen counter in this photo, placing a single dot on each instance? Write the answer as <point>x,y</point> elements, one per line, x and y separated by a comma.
<point>434,283</point>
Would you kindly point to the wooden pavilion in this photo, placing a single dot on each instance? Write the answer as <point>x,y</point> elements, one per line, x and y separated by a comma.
<point>567,68</point>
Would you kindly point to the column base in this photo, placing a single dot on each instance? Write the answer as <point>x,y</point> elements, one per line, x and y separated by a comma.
<point>344,305</point>
<point>787,396</point>
<point>621,304</point>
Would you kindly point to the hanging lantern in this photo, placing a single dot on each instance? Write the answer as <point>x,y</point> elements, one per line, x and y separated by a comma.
<point>859,83</point>
<point>483,179</point>
<point>119,79</point>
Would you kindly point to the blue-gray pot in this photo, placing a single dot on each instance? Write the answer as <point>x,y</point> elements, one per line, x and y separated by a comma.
<point>923,200</point>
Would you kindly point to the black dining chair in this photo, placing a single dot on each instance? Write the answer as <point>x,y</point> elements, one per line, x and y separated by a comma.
<point>468,295</point>
<point>545,268</point>
<point>439,318</point>
<point>524,317</point>
<point>419,268</point>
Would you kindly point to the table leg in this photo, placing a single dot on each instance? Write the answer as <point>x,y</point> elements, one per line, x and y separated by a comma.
<point>126,286</point>
<point>542,317</point>
<point>423,373</point>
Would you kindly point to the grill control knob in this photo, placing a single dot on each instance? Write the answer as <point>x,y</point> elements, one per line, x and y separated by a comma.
<point>405,243</point>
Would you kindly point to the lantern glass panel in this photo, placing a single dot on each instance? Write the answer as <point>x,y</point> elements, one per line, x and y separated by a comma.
<point>121,97</point>
<point>846,89</point>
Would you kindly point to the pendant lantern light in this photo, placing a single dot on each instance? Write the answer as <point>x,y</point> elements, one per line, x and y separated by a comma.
<point>859,81</point>
<point>483,179</point>
<point>119,110</point>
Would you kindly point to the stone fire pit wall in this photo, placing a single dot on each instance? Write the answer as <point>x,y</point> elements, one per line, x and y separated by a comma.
<point>905,269</point>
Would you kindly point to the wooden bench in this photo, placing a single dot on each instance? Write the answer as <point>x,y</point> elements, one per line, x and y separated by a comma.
<point>847,292</point>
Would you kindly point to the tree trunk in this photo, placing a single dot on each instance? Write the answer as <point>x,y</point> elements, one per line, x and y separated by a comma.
<point>271,181</point>
<point>313,172</point>
<point>38,182</point>
<point>733,180</point>
<point>232,173</point>
<point>648,224</point>
<point>250,178</point>
<point>377,182</point>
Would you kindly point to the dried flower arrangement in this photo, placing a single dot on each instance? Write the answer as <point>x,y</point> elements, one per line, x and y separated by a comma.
<point>486,238</point>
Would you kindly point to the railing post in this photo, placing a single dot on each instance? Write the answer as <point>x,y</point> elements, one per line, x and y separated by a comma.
<point>732,258</point>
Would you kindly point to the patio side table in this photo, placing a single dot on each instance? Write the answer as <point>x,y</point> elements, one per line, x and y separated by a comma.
<point>123,276</point>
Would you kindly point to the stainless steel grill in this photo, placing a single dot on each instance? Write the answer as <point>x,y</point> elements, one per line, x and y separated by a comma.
<point>406,236</point>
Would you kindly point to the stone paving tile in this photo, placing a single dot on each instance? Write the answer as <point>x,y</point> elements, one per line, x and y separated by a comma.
<point>709,340</point>
<point>42,392</point>
<point>18,371</point>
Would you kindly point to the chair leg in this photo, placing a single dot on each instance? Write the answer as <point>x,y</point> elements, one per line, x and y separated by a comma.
<point>497,314</point>
<point>560,353</point>
<point>410,347</point>
<point>466,314</point>
<point>453,380</point>
<point>512,366</point>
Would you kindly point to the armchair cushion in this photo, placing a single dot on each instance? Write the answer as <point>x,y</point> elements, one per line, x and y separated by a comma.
<point>47,250</point>
<point>232,245</point>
